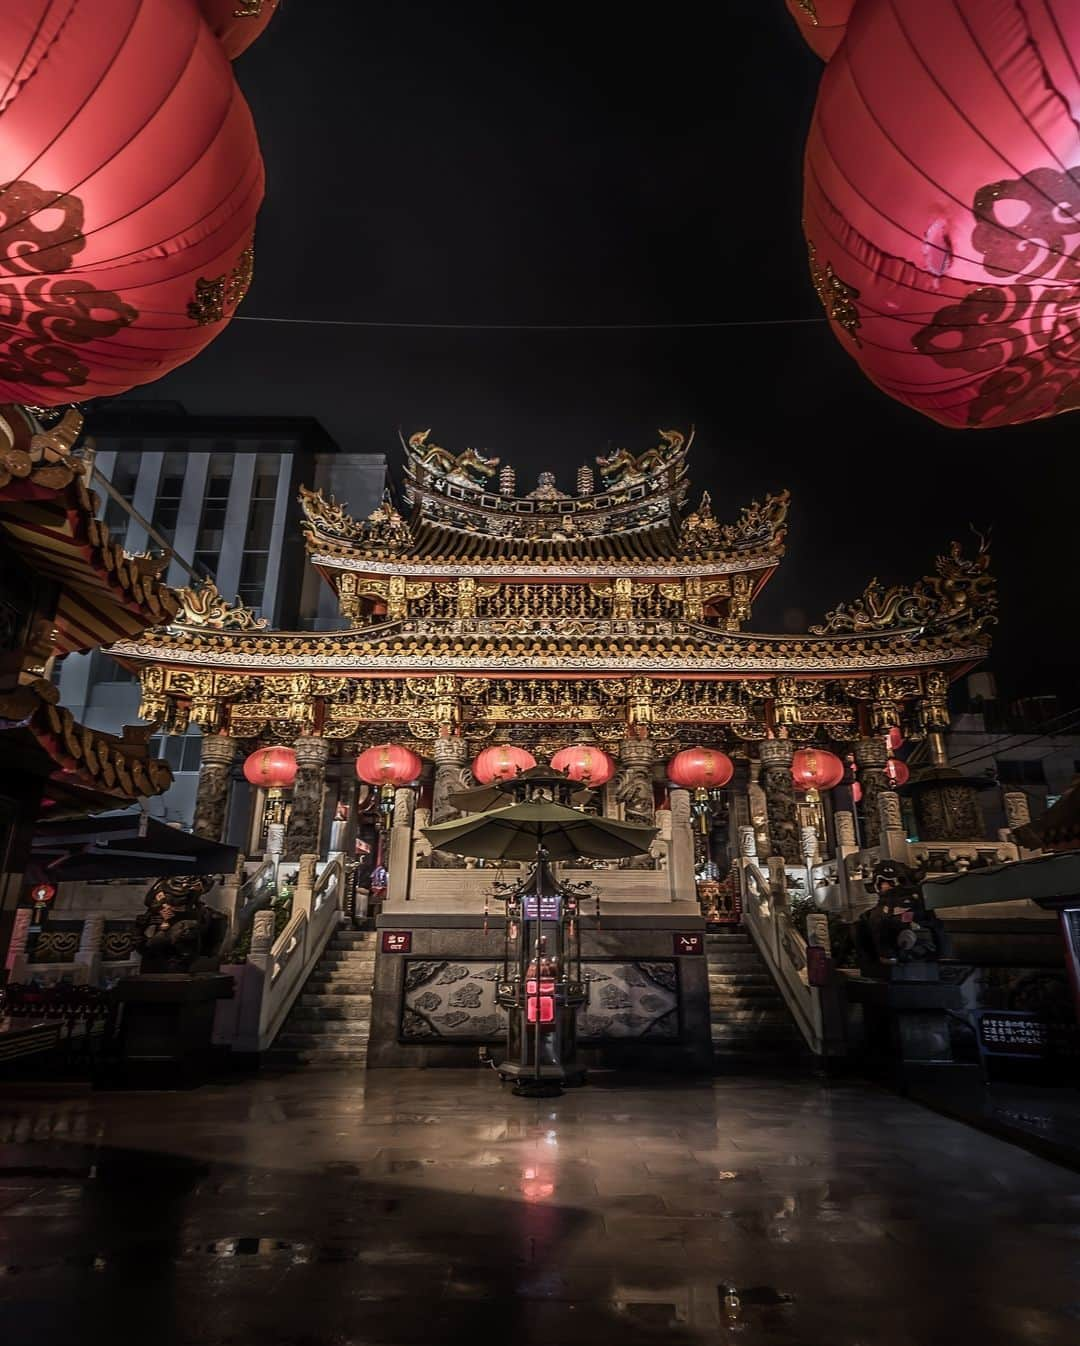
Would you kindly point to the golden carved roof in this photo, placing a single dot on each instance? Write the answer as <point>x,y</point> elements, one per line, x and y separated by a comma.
<point>47,514</point>
<point>88,770</point>
<point>467,508</point>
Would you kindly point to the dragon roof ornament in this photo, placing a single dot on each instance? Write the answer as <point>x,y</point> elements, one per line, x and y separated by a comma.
<point>959,598</point>
<point>204,606</point>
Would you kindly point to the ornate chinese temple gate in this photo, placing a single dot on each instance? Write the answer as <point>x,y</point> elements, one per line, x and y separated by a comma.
<point>612,616</point>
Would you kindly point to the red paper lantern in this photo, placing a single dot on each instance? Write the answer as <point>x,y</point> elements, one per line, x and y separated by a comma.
<point>821,22</point>
<point>388,764</point>
<point>942,204</point>
<point>816,769</point>
<point>899,773</point>
<point>894,739</point>
<point>700,769</point>
<point>130,176</point>
<point>272,768</point>
<point>586,763</point>
<point>237,23</point>
<point>501,762</point>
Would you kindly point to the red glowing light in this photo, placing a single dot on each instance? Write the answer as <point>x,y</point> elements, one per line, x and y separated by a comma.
<point>540,995</point>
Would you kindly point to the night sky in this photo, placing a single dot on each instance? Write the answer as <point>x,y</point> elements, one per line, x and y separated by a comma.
<point>593,164</point>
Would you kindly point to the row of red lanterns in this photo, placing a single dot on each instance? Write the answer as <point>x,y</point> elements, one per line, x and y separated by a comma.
<point>692,769</point>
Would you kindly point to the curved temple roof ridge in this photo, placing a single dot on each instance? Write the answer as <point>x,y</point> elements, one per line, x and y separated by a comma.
<point>959,598</point>
<point>468,505</point>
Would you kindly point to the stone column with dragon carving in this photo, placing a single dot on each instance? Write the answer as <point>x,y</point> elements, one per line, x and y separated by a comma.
<point>634,789</point>
<point>212,795</point>
<point>779,785</point>
<point>302,835</point>
<point>871,756</point>
<point>450,755</point>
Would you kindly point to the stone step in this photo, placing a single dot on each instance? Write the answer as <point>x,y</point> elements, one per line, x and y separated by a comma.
<point>347,957</point>
<point>350,1041</point>
<point>316,985</point>
<point>360,1010</point>
<point>332,1000</point>
<point>318,1056</point>
<point>749,1017</point>
<point>746,1041</point>
<point>730,995</point>
<point>720,937</point>
<point>758,978</point>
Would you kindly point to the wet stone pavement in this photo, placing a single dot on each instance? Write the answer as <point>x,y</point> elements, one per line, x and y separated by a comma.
<point>338,1209</point>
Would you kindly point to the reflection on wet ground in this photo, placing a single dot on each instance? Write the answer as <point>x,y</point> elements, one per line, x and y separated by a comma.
<point>334,1209</point>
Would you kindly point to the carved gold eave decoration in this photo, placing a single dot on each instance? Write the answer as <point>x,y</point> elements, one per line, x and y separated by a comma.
<point>203,607</point>
<point>705,652</point>
<point>82,759</point>
<point>47,513</point>
<point>959,598</point>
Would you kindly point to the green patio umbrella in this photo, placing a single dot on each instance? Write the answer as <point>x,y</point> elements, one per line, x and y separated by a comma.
<point>520,830</point>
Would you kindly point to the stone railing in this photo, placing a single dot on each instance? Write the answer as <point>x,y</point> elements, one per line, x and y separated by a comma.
<point>767,918</point>
<point>276,969</point>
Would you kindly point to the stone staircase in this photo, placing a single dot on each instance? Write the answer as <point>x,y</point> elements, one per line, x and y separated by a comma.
<point>748,1016</point>
<point>331,1020</point>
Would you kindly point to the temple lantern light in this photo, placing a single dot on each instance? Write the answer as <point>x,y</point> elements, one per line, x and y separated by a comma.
<point>898,772</point>
<point>821,22</point>
<point>388,766</point>
<point>130,177</point>
<point>815,769</point>
<point>942,204</point>
<point>502,762</point>
<point>272,769</point>
<point>701,770</point>
<point>586,763</point>
<point>894,739</point>
<point>237,23</point>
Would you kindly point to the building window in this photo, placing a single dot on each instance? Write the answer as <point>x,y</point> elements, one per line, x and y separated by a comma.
<point>1020,771</point>
<point>214,508</point>
<point>181,753</point>
<point>260,528</point>
<point>170,489</point>
<point>124,477</point>
<point>106,669</point>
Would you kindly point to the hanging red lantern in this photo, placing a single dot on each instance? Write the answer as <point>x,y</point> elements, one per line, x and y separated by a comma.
<point>894,739</point>
<point>130,177</point>
<point>816,769</point>
<point>271,768</point>
<point>237,23</point>
<point>700,769</point>
<point>388,764</point>
<point>898,772</point>
<point>942,204</point>
<point>586,763</point>
<point>501,762</point>
<point>821,22</point>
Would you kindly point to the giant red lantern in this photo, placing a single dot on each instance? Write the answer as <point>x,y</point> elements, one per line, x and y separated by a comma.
<point>271,768</point>
<point>237,23</point>
<point>942,204</point>
<point>821,22</point>
<point>586,763</point>
<point>501,762</point>
<point>388,764</point>
<point>700,769</point>
<point>130,176</point>
<point>816,769</point>
<point>898,772</point>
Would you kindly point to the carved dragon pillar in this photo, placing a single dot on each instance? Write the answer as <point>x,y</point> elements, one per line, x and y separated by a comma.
<point>776,755</point>
<point>302,836</point>
<point>634,789</point>
<point>212,796</point>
